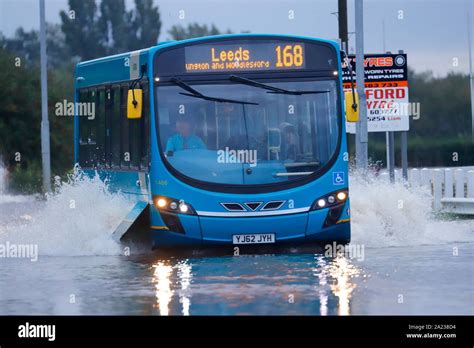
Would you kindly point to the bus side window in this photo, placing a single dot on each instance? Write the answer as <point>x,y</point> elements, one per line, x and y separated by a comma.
<point>100,128</point>
<point>125,155</point>
<point>84,129</point>
<point>108,127</point>
<point>116,120</point>
<point>92,134</point>
<point>144,128</point>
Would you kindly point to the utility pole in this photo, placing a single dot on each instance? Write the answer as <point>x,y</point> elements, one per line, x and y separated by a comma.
<point>362,136</point>
<point>390,150</point>
<point>45,147</point>
<point>342,16</point>
<point>344,40</point>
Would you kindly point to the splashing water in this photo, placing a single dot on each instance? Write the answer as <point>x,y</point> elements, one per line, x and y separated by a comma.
<point>386,214</point>
<point>77,219</point>
<point>4,197</point>
<point>3,178</point>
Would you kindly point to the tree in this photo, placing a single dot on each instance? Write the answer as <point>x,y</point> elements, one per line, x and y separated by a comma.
<point>178,32</point>
<point>91,32</point>
<point>114,24</point>
<point>444,104</point>
<point>81,30</point>
<point>25,45</point>
<point>146,25</point>
<point>20,121</point>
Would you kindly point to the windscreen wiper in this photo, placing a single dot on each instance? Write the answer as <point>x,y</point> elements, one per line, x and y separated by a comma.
<point>271,89</point>
<point>196,94</point>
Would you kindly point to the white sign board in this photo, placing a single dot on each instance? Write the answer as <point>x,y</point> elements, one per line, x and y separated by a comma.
<point>386,90</point>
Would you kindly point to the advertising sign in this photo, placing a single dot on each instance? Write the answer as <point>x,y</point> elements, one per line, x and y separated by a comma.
<point>386,90</point>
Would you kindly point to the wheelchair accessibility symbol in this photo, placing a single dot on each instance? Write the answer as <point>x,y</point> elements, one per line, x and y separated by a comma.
<point>338,178</point>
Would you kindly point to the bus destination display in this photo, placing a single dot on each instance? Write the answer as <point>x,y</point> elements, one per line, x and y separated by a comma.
<point>245,57</point>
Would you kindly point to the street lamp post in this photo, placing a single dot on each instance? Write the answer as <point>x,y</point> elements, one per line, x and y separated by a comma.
<point>471,77</point>
<point>45,146</point>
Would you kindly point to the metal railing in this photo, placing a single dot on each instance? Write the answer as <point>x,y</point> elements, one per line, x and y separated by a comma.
<point>452,188</point>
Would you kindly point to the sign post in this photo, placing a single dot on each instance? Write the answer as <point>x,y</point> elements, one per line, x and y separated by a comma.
<point>362,136</point>
<point>404,154</point>
<point>390,139</point>
<point>404,146</point>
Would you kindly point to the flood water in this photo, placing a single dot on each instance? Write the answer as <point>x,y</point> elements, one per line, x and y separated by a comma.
<point>407,262</point>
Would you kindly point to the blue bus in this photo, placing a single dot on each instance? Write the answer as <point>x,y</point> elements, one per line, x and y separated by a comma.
<point>221,140</point>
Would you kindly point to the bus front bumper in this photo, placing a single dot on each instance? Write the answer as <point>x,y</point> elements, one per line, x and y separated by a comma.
<point>287,229</point>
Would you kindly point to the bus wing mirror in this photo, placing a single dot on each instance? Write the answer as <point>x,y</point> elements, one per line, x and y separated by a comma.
<point>352,106</point>
<point>134,103</point>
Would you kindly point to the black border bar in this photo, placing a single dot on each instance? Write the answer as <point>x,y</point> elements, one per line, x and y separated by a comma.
<point>243,330</point>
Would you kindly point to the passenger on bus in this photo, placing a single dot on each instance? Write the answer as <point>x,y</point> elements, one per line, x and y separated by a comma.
<point>289,142</point>
<point>232,116</point>
<point>242,135</point>
<point>184,138</point>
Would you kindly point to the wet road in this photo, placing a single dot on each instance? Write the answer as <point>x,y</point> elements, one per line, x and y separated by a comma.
<point>413,280</point>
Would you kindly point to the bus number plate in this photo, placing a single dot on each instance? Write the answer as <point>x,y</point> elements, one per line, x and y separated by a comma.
<point>253,238</point>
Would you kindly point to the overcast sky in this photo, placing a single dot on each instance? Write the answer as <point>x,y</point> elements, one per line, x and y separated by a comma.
<point>432,32</point>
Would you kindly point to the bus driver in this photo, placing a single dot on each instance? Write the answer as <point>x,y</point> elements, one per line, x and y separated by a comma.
<point>184,138</point>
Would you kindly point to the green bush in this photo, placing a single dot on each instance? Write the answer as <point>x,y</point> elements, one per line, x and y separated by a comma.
<point>20,122</point>
<point>25,180</point>
<point>434,152</point>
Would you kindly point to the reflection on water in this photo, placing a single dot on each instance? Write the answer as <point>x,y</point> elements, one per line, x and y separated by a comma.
<point>309,284</point>
<point>339,272</point>
<point>162,280</point>
<point>184,275</point>
<point>343,272</point>
<point>323,281</point>
<point>255,285</point>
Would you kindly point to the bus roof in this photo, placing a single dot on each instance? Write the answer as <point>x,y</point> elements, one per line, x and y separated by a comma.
<point>127,66</point>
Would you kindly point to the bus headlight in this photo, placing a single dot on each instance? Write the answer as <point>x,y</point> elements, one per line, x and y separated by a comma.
<point>330,200</point>
<point>341,196</point>
<point>183,207</point>
<point>172,205</point>
<point>161,203</point>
